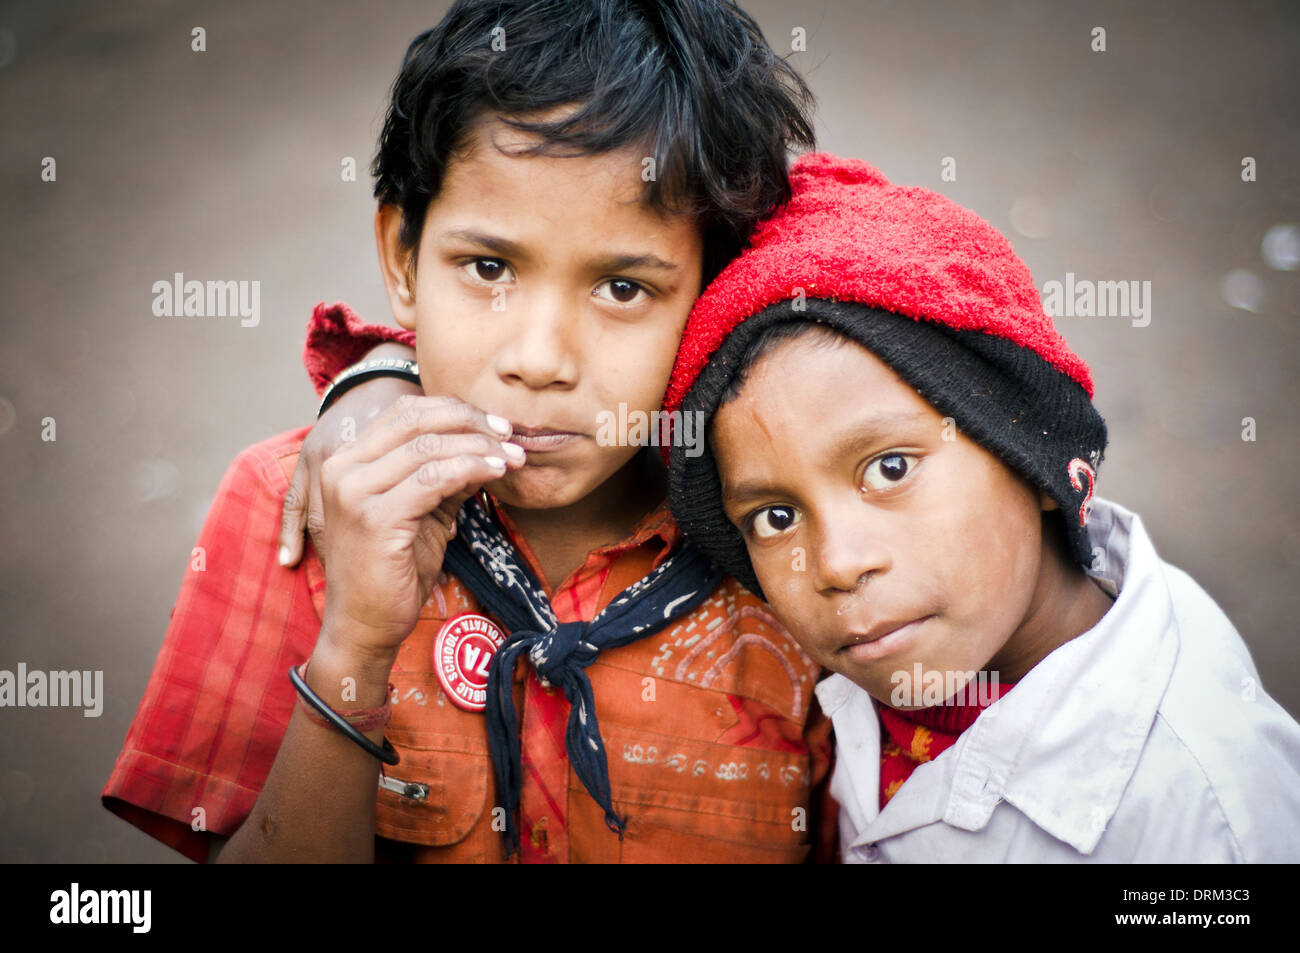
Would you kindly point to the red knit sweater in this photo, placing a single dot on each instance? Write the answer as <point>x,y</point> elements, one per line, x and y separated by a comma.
<point>909,738</point>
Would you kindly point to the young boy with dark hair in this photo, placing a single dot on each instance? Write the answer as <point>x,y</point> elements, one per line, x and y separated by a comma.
<point>901,459</point>
<point>557,181</point>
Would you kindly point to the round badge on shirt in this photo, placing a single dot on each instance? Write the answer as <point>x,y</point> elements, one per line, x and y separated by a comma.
<point>462,653</point>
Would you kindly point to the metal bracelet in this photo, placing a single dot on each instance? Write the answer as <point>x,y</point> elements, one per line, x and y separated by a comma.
<point>367,370</point>
<point>386,754</point>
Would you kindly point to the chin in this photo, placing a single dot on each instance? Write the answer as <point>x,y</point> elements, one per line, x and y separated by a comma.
<point>538,488</point>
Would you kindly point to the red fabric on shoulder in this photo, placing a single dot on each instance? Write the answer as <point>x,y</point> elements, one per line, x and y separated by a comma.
<point>337,338</point>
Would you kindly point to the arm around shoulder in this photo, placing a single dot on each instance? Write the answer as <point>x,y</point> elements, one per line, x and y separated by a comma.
<point>218,700</point>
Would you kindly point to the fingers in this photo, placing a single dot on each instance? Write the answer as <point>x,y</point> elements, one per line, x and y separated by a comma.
<point>411,416</point>
<point>429,547</point>
<point>405,487</point>
<point>444,514</point>
<point>437,481</point>
<point>449,509</point>
<point>410,432</point>
<point>316,515</point>
<point>293,515</point>
<point>398,464</point>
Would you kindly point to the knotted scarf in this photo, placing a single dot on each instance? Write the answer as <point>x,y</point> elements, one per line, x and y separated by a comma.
<point>484,560</point>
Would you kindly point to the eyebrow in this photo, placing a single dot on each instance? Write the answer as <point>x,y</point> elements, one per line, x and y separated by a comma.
<point>624,262</point>
<point>502,246</point>
<point>607,263</point>
<point>862,431</point>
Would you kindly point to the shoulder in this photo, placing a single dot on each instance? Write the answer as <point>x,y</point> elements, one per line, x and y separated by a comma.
<point>217,702</point>
<point>1150,826</point>
<point>1232,803</point>
<point>733,643</point>
<point>240,533</point>
<point>1214,682</point>
<point>267,464</point>
<point>1229,749</point>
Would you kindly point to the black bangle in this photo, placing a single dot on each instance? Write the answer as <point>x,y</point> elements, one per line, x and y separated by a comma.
<point>367,370</point>
<point>386,754</point>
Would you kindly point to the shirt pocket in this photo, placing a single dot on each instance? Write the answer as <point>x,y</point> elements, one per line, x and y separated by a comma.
<point>437,794</point>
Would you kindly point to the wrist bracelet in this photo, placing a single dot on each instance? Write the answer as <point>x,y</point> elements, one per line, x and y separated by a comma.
<point>386,754</point>
<point>367,370</point>
<point>362,719</point>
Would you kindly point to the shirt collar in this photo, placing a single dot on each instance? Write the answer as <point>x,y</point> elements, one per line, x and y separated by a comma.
<point>1062,745</point>
<point>657,529</point>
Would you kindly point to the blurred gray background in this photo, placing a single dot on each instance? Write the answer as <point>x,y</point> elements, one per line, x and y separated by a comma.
<point>1116,165</point>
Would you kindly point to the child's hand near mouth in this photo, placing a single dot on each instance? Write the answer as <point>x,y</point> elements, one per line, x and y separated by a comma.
<point>359,405</point>
<point>390,499</point>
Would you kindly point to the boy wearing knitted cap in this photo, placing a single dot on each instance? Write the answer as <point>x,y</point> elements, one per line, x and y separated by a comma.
<point>901,459</point>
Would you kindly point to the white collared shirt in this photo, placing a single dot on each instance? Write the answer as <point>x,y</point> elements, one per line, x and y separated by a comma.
<point>1148,738</point>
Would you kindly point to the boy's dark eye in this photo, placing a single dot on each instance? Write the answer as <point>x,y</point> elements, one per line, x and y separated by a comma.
<point>893,468</point>
<point>623,291</point>
<point>773,520</point>
<point>620,291</point>
<point>489,269</point>
<point>887,470</point>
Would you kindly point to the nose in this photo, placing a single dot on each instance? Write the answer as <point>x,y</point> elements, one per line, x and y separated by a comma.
<point>847,550</point>
<point>544,347</point>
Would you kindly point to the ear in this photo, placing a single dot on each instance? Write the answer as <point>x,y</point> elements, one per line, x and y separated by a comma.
<point>396,264</point>
<point>1047,502</point>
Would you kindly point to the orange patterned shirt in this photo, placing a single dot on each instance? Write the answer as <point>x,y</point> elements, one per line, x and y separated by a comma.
<point>711,727</point>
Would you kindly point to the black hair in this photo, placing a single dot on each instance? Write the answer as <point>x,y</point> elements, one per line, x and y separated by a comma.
<point>692,81</point>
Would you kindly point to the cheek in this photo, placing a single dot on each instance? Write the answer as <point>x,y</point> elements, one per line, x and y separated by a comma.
<point>788,586</point>
<point>452,353</point>
<point>992,550</point>
<point>632,365</point>
<point>788,611</point>
<point>438,375</point>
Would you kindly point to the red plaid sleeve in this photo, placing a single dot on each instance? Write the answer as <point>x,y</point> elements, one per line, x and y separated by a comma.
<point>337,338</point>
<point>219,700</point>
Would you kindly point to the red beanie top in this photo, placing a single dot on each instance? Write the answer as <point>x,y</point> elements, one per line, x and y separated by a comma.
<point>847,234</point>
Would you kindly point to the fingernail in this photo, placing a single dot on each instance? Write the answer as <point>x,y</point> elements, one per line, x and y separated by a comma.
<point>514,452</point>
<point>496,463</point>
<point>284,555</point>
<point>499,424</point>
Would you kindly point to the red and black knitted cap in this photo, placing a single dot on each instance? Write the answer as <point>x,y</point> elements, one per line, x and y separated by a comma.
<point>931,289</point>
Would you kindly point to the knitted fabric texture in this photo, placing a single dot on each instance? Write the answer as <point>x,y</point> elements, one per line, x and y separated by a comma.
<point>338,338</point>
<point>912,738</point>
<point>848,234</point>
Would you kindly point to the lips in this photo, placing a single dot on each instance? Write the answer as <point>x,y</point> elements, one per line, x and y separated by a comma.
<point>879,631</point>
<point>882,638</point>
<point>542,439</point>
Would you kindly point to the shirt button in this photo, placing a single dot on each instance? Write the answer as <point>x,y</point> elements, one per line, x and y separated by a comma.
<point>872,853</point>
